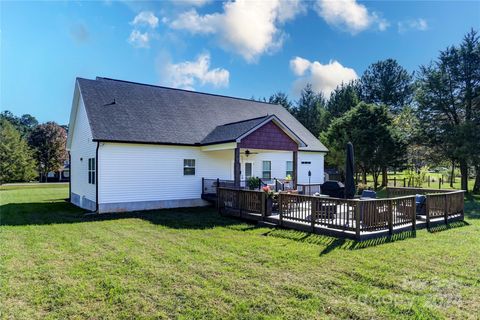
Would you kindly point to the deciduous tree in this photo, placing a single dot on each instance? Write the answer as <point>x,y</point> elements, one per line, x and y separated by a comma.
<point>369,128</point>
<point>49,142</point>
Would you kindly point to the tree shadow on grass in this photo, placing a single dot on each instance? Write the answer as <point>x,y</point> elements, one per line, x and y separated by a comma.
<point>445,227</point>
<point>472,206</point>
<point>58,212</point>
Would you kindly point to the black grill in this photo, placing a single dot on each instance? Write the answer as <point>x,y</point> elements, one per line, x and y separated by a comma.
<point>334,189</point>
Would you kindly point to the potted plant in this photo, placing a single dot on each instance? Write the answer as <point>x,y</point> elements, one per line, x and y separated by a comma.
<point>269,202</point>
<point>253,183</point>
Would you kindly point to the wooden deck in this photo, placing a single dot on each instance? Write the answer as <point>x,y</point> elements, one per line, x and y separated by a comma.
<point>349,218</point>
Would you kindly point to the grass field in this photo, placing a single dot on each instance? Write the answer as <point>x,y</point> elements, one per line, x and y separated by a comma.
<point>191,263</point>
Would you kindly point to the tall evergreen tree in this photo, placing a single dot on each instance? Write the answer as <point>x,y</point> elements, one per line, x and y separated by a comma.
<point>387,83</point>
<point>16,158</point>
<point>49,142</point>
<point>342,99</point>
<point>311,111</point>
<point>448,100</point>
<point>282,99</point>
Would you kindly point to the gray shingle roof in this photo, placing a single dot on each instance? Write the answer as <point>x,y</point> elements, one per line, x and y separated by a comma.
<point>232,131</point>
<point>131,112</point>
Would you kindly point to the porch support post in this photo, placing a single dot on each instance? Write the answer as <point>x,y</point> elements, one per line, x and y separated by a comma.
<point>236,168</point>
<point>295,169</point>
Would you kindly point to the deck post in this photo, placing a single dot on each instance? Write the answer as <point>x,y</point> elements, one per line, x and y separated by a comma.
<point>445,209</point>
<point>218,201</point>
<point>414,214</point>
<point>313,212</point>
<point>390,217</point>
<point>462,214</point>
<point>240,201</point>
<point>357,220</point>
<point>295,170</point>
<point>264,205</point>
<point>427,212</point>
<point>280,209</point>
<point>236,168</point>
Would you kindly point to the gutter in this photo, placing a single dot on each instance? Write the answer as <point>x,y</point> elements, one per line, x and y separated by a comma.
<point>70,178</point>
<point>96,177</point>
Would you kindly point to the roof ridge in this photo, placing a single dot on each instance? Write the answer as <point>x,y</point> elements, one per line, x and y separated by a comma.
<point>184,90</point>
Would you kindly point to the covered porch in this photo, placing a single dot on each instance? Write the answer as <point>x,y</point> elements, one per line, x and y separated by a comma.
<point>266,149</point>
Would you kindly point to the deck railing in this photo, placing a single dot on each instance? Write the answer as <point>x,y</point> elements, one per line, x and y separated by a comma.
<point>358,216</point>
<point>408,191</point>
<point>348,214</point>
<point>239,201</point>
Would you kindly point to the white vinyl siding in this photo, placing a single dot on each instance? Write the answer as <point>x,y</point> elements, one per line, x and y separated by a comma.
<point>313,161</point>
<point>82,148</point>
<point>136,172</point>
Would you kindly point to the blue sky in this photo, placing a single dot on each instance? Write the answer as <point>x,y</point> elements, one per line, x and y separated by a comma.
<point>241,49</point>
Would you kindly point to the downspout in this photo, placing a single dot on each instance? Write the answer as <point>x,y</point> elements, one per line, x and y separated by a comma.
<point>70,178</point>
<point>96,177</point>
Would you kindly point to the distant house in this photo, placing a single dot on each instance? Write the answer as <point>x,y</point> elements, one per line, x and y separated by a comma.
<point>62,175</point>
<point>137,147</point>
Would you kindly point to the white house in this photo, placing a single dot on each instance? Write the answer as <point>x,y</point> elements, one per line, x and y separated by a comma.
<point>137,147</point>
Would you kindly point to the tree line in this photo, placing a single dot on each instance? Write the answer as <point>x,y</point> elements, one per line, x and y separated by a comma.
<point>29,150</point>
<point>397,119</point>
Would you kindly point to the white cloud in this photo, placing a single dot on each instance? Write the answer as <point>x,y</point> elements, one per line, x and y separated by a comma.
<point>138,39</point>
<point>147,21</point>
<point>193,22</point>
<point>299,66</point>
<point>145,18</point>
<point>188,74</point>
<point>323,77</point>
<point>416,24</point>
<point>249,28</point>
<point>349,15</point>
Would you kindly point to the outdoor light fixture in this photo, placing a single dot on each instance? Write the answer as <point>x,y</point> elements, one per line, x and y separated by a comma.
<point>247,153</point>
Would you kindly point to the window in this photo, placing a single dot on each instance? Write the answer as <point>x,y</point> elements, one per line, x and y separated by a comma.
<point>188,167</point>
<point>91,170</point>
<point>289,171</point>
<point>267,170</point>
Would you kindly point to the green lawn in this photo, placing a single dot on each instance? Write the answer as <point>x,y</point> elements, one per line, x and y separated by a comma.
<point>191,263</point>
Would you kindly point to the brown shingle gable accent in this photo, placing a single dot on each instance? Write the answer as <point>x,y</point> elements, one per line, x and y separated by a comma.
<point>269,137</point>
